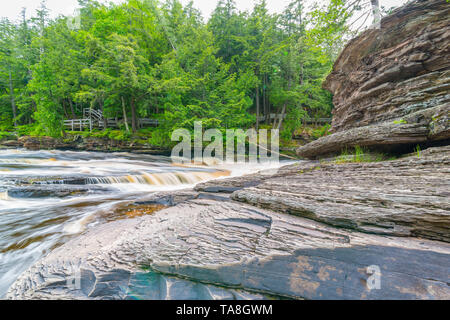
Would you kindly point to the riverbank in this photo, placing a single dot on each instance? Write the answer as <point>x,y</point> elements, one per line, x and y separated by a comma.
<point>311,230</point>
<point>78,142</point>
<point>100,142</point>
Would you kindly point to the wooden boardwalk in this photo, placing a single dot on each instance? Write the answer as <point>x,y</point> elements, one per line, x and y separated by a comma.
<point>312,120</point>
<point>94,119</point>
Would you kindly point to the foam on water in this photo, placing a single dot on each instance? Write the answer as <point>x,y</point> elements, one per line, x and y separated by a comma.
<point>78,226</point>
<point>31,226</point>
<point>4,196</point>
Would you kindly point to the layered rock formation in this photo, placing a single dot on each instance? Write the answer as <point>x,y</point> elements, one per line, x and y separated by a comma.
<point>309,231</point>
<point>77,142</point>
<point>391,85</point>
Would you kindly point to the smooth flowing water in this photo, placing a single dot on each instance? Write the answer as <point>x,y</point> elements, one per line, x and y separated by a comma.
<point>48,197</point>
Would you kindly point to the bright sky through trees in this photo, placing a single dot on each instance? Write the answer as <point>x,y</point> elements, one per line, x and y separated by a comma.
<point>11,9</point>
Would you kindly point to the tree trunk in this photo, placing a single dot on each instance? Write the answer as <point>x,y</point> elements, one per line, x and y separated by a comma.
<point>105,121</point>
<point>301,74</point>
<point>281,116</point>
<point>125,119</point>
<point>257,108</point>
<point>264,99</point>
<point>269,111</point>
<point>71,109</point>
<point>133,115</point>
<point>13,101</point>
<point>33,105</point>
<point>64,108</point>
<point>283,112</point>
<point>376,12</point>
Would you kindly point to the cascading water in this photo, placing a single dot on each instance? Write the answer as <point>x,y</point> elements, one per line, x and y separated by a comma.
<point>47,197</point>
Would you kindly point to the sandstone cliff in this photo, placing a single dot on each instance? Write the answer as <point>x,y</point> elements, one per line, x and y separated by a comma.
<point>391,85</point>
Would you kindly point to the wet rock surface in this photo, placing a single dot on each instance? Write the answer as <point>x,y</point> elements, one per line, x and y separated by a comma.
<point>391,85</point>
<point>50,191</point>
<point>407,197</point>
<point>308,231</point>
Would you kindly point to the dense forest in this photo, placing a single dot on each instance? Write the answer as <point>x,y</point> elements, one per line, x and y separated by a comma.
<point>161,60</point>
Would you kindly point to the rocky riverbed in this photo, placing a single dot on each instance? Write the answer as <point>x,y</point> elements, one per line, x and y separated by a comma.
<point>311,230</point>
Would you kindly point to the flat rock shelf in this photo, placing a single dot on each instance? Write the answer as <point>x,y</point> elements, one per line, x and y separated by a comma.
<point>310,230</point>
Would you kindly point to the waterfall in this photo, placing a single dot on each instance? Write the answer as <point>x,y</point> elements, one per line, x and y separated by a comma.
<point>4,195</point>
<point>160,179</point>
<point>157,179</point>
<point>26,161</point>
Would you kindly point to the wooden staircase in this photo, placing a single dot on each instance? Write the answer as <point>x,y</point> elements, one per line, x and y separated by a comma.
<point>93,118</point>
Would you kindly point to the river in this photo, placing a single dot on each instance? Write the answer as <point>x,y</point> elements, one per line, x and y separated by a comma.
<point>49,197</point>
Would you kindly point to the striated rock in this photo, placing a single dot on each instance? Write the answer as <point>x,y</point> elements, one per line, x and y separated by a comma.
<point>344,223</point>
<point>418,127</point>
<point>407,197</point>
<point>211,250</point>
<point>10,144</point>
<point>78,142</point>
<point>232,184</point>
<point>400,74</point>
<point>400,69</point>
<point>38,143</point>
<point>43,191</point>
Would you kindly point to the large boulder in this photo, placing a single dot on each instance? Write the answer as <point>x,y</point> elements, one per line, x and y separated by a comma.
<point>406,197</point>
<point>391,85</point>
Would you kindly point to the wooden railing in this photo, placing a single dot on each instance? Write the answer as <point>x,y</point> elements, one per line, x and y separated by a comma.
<point>96,121</point>
<point>94,118</point>
<point>318,120</point>
<point>147,121</point>
<point>78,124</point>
<point>271,117</point>
<point>277,116</point>
<point>92,114</point>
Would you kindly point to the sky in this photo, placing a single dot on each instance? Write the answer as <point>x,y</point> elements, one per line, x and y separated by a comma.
<point>12,8</point>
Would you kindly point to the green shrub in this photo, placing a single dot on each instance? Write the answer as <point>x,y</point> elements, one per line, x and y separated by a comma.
<point>321,131</point>
<point>358,154</point>
<point>418,151</point>
<point>33,129</point>
<point>5,135</point>
<point>119,135</point>
<point>159,138</point>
